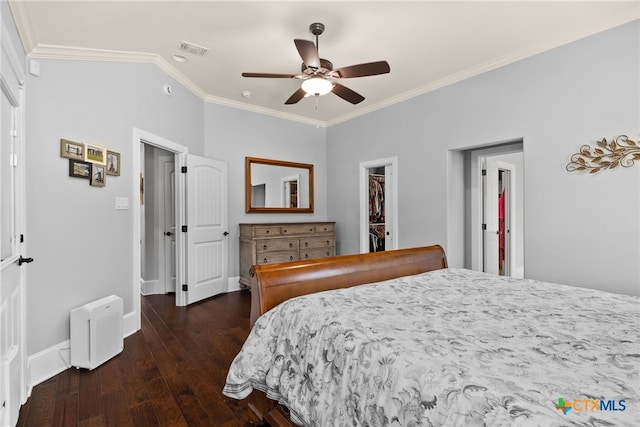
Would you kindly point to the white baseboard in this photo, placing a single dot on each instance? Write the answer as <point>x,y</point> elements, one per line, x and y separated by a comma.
<point>130,323</point>
<point>55,359</point>
<point>233,284</point>
<point>48,363</point>
<point>151,287</point>
<point>518,273</point>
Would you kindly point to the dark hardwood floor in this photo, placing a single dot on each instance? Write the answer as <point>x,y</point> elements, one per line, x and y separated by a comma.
<point>170,373</point>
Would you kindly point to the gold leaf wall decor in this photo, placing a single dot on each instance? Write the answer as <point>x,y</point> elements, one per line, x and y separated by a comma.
<point>621,151</point>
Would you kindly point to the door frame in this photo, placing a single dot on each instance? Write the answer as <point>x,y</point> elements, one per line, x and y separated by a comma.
<point>388,163</point>
<point>142,137</point>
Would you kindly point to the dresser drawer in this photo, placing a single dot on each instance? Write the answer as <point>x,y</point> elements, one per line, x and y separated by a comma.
<point>316,253</point>
<point>298,229</point>
<point>316,242</point>
<point>271,245</point>
<point>266,231</point>
<point>273,257</point>
<point>324,228</point>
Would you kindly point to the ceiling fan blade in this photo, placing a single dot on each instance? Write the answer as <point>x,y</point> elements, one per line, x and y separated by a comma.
<point>297,96</point>
<point>308,53</point>
<point>271,75</point>
<point>362,70</point>
<point>347,94</point>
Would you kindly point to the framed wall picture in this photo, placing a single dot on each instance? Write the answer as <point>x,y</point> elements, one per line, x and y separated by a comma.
<point>98,175</point>
<point>79,169</point>
<point>71,149</point>
<point>113,163</point>
<point>95,154</point>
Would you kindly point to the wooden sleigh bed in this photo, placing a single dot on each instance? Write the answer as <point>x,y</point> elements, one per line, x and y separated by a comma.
<point>273,284</point>
<point>462,377</point>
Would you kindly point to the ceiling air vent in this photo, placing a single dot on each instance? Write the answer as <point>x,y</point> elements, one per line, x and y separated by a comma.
<point>193,48</point>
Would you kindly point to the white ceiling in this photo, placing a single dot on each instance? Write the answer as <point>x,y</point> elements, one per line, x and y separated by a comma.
<point>428,44</point>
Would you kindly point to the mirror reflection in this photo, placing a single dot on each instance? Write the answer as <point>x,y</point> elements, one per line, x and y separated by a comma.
<point>278,186</point>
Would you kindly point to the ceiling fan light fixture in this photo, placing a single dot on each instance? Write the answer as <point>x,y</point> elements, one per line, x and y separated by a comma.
<point>317,86</point>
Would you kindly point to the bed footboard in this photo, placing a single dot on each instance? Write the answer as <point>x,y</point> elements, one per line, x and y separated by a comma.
<point>275,283</point>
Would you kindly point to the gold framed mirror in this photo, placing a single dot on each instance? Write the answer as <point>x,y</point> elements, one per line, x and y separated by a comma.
<point>277,186</point>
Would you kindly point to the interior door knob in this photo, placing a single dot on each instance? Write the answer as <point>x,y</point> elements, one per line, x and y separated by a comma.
<point>22,260</point>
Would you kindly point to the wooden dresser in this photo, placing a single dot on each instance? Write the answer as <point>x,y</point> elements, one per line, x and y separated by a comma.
<point>282,242</point>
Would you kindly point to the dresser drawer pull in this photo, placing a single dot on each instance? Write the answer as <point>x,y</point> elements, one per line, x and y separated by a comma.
<point>264,247</point>
<point>290,244</point>
<point>268,231</point>
<point>291,258</point>
<point>306,255</point>
<point>328,253</point>
<point>328,242</point>
<point>284,231</point>
<point>306,243</point>
<point>265,260</point>
<point>311,230</point>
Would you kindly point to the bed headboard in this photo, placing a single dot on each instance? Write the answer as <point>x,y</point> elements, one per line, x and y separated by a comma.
<point>274,283</point>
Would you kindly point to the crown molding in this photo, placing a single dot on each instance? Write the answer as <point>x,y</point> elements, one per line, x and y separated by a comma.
<point>85,54</point>
<point>477,70</point>
<point>22,18</point>
<point>266,111</point>
<point>44,51</point>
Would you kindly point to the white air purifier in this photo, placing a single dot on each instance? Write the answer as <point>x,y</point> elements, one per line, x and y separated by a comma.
<point>96,332</point>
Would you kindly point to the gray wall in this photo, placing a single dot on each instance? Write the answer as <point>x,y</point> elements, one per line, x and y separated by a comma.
<point>554,102</point>
<point>232,134</point>
<point>578,229</point>
<point>81,244</point>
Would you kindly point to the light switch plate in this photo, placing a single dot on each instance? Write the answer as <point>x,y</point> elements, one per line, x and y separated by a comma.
<point>122,203</point>
<point>34,67</point>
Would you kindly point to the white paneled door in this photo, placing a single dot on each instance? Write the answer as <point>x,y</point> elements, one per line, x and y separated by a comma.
<point>12,264</point>
<point>206,233</point>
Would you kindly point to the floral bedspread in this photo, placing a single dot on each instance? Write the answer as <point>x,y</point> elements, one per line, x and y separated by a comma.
<point>450,347</point>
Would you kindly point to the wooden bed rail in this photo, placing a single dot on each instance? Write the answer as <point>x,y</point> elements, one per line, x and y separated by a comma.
<point>275,283</point>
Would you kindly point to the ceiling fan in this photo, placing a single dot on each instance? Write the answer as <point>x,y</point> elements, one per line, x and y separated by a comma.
<point>318,76</point>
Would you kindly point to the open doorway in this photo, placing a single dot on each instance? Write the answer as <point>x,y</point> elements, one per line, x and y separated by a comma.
<point>158,243</point>
<point>496,209</point>
<point>378,205</point>
<point>501,240</point>
<point>200,208</point>
<point>289,191</point>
